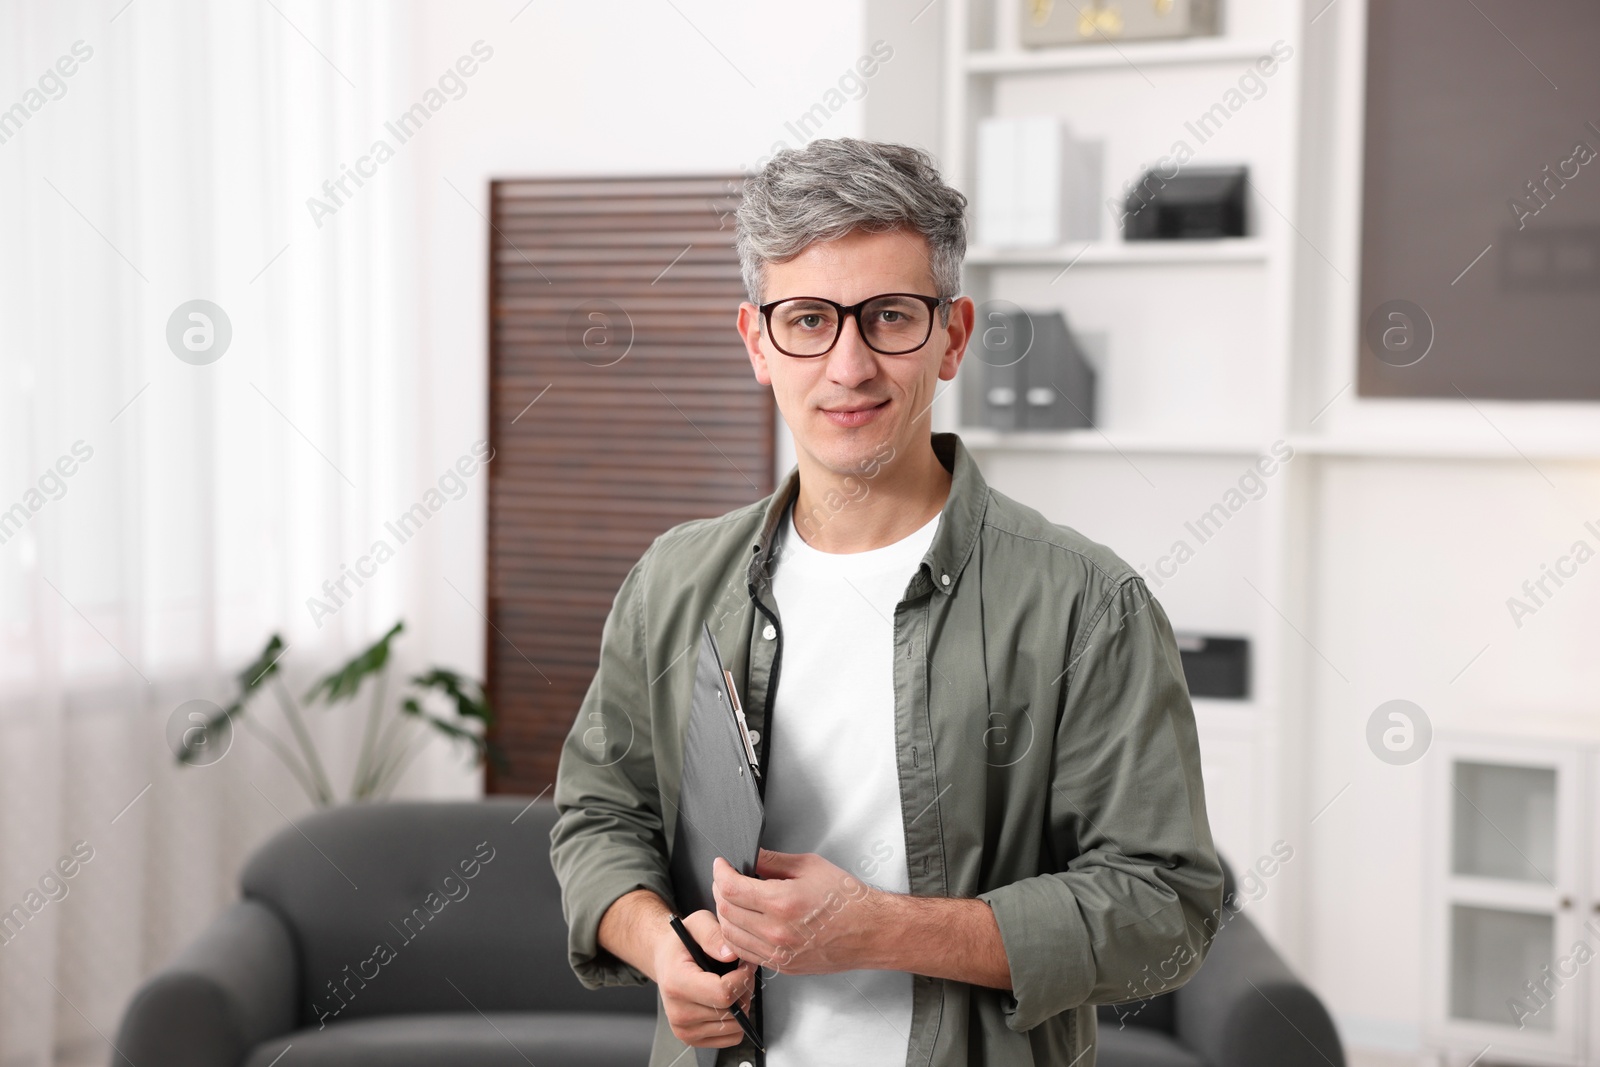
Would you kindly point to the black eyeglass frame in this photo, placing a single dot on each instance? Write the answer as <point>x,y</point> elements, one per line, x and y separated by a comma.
<point>852,311</point>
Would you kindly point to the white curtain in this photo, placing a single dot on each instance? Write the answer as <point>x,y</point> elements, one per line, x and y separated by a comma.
<point>167,516</point>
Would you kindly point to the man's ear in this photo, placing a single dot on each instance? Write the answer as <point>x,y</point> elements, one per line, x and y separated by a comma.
<point>958,333</point>
<point>749,326</point>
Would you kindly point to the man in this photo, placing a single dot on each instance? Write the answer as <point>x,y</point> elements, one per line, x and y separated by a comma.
<point>984,812</point>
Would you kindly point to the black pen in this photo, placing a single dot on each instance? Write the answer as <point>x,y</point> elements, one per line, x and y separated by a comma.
<point>706,963</point>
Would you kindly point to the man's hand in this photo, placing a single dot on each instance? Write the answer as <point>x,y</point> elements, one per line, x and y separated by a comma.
<point>696,1001</point>
<point>800,915</point>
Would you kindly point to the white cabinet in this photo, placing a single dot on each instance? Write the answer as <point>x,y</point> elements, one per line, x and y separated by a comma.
<point>1230,755</point>
<point>1513,901</point>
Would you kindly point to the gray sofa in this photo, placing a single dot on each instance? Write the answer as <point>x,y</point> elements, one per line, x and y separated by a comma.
<point>479,977</point>
<point>1243,1008</point>
<point>431,934</point>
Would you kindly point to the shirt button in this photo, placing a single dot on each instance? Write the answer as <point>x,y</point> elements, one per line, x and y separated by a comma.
<point>771,631</point>
<point>945,578</point>
<point>746,1063</point>
<point>755,736</point>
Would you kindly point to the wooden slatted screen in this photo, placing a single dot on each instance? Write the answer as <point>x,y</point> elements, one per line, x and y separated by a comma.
<point>621,402</point>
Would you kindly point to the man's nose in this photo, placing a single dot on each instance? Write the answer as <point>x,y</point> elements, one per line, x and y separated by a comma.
<point>851,361</point>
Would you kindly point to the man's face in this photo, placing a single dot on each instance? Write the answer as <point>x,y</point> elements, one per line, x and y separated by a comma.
<point>814,394</point>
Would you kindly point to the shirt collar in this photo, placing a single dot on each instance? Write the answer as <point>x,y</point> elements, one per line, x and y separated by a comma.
<point>953,540</point>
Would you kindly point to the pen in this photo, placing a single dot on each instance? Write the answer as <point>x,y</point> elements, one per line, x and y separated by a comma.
<point>706,963</point>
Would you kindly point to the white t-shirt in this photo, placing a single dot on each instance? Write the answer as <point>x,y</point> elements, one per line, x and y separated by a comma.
<point>833,784</point>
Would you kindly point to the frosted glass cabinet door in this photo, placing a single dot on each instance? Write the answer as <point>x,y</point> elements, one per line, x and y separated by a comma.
<point>1492,953</point>
<point>1505,821</point>
<point>1506,873</point>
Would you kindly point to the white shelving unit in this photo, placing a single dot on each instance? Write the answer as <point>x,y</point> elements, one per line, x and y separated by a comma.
<point>1194,381</point>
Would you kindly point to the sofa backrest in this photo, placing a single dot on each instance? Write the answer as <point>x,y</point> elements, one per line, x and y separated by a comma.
<point>426,906</point>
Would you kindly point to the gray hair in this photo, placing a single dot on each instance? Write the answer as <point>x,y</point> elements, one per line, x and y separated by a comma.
<point>831,187</point>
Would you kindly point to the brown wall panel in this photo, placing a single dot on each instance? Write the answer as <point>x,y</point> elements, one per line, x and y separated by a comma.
<point>611,313</point>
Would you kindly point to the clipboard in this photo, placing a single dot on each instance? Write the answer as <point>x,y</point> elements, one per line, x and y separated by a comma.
<point>719,799</point>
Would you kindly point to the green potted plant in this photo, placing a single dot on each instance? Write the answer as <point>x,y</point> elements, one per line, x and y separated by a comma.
<point>392,737</point>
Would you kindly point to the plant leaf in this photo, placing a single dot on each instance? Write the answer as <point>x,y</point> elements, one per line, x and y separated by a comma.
<point>468,696</point>
<point>265,666</point>
<point>345,682</point>
<point>471,706</point>
<point>188,753</point>
<point>250,679</point>
<point>497,756</point>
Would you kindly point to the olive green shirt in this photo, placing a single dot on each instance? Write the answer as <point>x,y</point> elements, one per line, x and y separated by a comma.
<point>1047,761</point>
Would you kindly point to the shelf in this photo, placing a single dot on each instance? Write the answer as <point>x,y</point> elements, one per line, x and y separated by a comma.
<point>1486,447</point>
<point>1134,54</point>
<point>1126,253</point>
<point>980,437</point>
<point>1093,441</point>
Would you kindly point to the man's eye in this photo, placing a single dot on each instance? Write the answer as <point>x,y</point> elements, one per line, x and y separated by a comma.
<point>809,322</point>
<point>890,316</point>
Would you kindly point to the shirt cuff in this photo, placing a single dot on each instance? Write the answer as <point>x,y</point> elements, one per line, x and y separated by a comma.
<point>1047,949</point>
<point>588,896</point>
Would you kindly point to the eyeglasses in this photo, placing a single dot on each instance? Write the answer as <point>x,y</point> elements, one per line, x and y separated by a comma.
<point>891,324</point>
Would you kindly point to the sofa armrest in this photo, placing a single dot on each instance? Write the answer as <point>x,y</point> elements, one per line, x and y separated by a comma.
<point>1245,1008</point>
<point>233,988</point>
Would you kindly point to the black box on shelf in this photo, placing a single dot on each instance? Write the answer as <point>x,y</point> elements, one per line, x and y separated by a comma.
<point>1216,666</point>
<point>1199,202</point>
<point>1026,371</point>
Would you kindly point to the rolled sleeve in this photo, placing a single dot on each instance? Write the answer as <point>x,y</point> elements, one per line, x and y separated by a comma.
<point>1032,914</point>
<point>607,839</point>
<point>1126,808</point>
